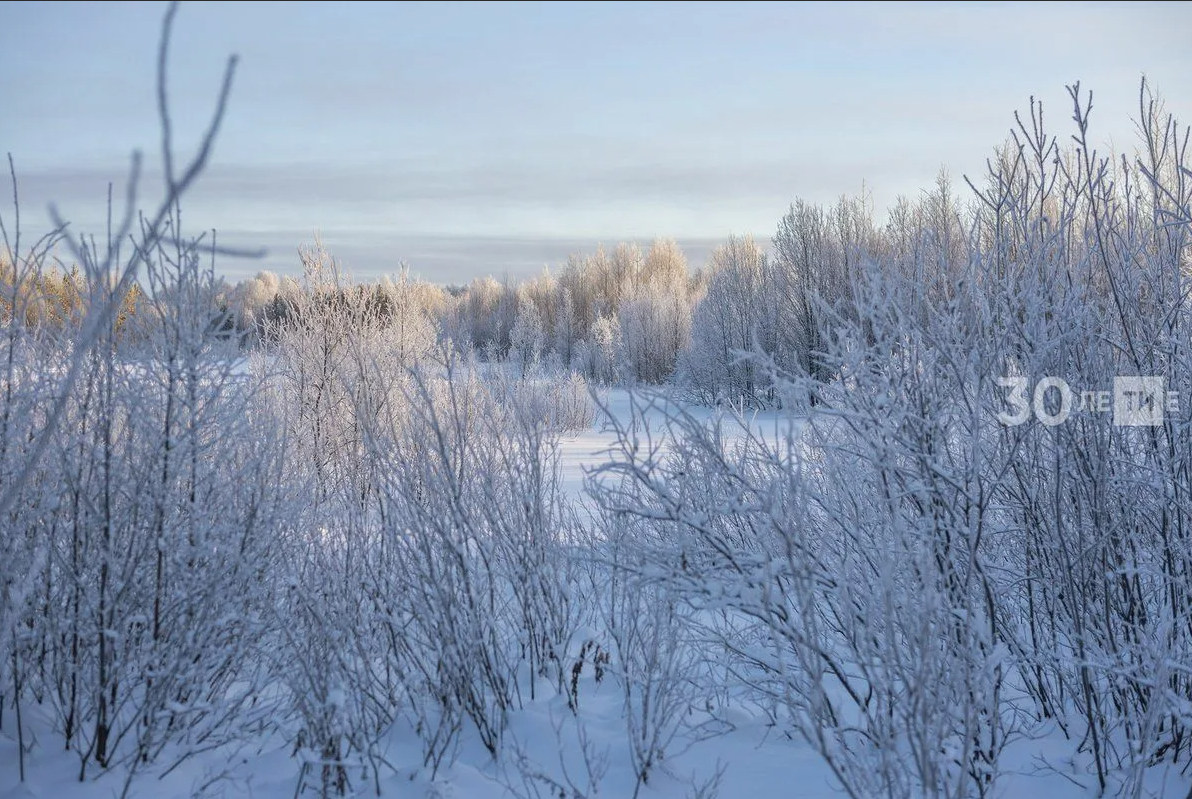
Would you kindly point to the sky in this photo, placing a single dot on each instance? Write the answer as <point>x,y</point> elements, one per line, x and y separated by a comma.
<point>467,139</point>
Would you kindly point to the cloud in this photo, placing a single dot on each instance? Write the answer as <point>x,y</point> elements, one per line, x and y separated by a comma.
<point>444,259</point>
<point>413,189</point>
<point>436,224</point>
<point>452,224</point>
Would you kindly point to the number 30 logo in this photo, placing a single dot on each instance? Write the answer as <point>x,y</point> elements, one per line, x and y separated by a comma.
<point>1021,406</point>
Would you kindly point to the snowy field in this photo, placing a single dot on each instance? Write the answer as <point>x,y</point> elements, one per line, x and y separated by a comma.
<point>752,759</point>
<point>549,751</point>
<point>581,452</point>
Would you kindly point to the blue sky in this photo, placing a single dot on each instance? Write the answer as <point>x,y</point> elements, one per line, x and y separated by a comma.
<point>468,139</point>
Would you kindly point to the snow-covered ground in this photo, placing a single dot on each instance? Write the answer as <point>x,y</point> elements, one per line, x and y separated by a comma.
<point>748,758</point>
<point>582,451</point>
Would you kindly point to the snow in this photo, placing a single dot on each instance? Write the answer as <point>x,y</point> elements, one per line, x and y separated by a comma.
<point>582,451</point>
<point>757,758</point>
